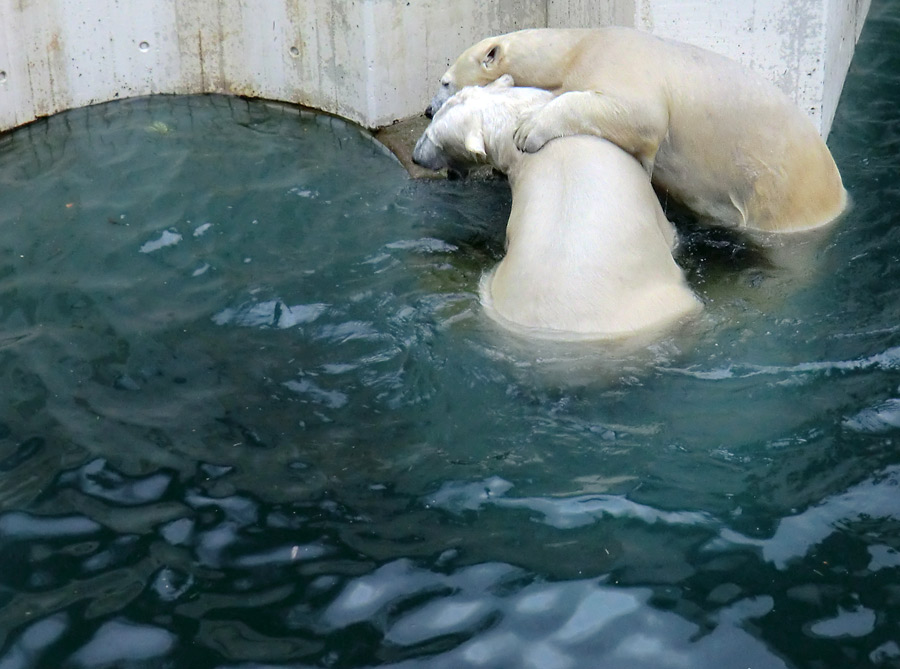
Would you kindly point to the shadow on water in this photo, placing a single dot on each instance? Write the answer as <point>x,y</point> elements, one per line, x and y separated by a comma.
<point>254,417</point>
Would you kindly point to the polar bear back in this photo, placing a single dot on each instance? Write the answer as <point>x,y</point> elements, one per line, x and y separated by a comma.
<point>736,149</point>
<point>589,248</point>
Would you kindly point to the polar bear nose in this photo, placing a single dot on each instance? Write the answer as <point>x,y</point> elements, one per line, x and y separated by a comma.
<point>429,112</point>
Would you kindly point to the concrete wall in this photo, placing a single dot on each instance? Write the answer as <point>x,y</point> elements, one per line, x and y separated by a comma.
<point>804,46</point>
<point>372,61</point>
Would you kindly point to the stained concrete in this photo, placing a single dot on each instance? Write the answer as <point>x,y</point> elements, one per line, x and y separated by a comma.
<point>401,138</point>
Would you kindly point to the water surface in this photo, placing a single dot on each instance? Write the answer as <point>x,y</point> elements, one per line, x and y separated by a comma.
<point>253,416</point>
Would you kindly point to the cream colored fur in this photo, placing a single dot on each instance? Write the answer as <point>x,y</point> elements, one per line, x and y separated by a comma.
<point>721,139</point>
<point>589,250</point>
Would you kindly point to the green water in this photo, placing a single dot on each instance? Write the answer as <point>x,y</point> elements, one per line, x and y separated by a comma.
<point>254,417</point>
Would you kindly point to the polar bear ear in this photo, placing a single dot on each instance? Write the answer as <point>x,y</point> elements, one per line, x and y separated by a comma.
<point>492,57</point>
<point>475,143</point>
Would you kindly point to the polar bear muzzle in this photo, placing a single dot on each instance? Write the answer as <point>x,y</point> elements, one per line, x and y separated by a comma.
<point>444,93</point>
<point>427,154</point>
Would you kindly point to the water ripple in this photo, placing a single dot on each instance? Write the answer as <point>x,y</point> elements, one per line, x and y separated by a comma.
<point>271,313</point>
<point>118,642</point>
<point>504,622</point>
<point>795,536</point>
<point>23,526</point>
<point>27,650</point>
<point>561,513</point>
<point>888,360</point>
<point>97,479</point>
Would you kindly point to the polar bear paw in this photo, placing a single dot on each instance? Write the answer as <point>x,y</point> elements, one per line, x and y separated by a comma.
<point>534,130</point>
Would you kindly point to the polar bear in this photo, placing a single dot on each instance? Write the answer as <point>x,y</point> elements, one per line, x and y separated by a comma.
<point>719,138</point>
<point>589,250</point>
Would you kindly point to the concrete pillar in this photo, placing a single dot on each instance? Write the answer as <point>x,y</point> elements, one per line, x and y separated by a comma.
<point>803,46</point>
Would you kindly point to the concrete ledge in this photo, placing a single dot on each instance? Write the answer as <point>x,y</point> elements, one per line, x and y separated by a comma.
<point>371,61</point>
<point>400,138</point>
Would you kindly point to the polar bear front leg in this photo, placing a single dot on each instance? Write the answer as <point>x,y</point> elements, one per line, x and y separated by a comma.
<point>638,127</point>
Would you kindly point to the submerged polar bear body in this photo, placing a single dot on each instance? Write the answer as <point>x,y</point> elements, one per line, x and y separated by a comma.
<point>720,138</point>
<point>589,250</point>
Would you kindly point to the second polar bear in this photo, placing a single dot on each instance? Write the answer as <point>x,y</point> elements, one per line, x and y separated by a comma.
<point>720,138</point>
<point>589,250</point>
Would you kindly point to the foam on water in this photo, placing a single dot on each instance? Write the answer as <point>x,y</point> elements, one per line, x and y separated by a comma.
<point>167,238</point>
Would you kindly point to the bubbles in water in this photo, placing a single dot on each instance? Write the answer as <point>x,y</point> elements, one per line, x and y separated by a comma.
<point>144,46</point>
<point>170,584</point>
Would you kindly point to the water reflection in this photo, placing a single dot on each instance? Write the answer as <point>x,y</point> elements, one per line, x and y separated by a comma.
<point>270,313</point>
<point>512,622</point>
<point>22,526</point>
<point>118,641</point>
<point>561,513</point>
<point>28,649</point>
<point>873,499</point>
<point>888,360</point>
<point>97,479</point>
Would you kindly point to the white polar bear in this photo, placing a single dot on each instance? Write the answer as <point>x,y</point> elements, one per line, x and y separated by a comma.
<point>721,139</point>
<point>589,250</point>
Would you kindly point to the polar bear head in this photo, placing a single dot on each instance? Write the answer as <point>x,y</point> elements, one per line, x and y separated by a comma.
<point>476,126</point>
<point>530,56</point>
<point>478,65</point>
